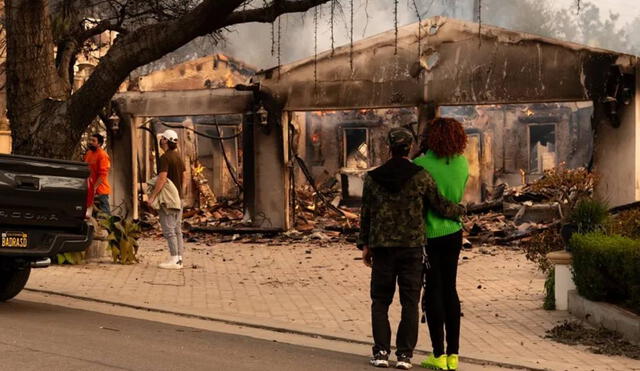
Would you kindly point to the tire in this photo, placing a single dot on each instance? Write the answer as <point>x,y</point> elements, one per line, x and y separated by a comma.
<point>12,281</point>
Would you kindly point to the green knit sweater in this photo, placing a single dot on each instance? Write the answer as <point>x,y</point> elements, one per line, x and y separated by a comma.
<point>451,176</point>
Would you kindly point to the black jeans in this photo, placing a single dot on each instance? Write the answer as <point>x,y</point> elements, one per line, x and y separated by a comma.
<point>403,265</point>
<point>440,301</point>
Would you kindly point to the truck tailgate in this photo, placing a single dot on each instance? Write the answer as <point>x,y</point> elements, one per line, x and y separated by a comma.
<point>42,192</point>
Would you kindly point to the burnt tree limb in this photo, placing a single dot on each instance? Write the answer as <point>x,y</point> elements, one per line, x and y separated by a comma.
<point>46,118</point>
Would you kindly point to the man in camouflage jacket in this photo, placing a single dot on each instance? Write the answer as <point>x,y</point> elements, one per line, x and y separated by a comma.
<point>395,199</point>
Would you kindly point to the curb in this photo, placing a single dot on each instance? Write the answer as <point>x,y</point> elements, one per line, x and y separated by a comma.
<point>472,360</point>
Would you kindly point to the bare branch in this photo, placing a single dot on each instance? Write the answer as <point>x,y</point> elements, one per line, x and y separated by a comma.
<point>268,14</point>
<point>98,29</point>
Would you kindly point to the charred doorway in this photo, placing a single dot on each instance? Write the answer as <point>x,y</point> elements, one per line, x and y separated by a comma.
<point>341,146</point>
<point>542,147</point>
<point>218,161</point>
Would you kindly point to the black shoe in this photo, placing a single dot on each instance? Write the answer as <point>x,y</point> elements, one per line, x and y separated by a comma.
<point>380,359</point>
<point>404,362</point>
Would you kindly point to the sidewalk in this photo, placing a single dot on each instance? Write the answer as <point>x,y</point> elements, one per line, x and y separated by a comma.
<point>325,291</point>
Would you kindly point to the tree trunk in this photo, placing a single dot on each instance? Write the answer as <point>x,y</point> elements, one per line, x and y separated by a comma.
<point>35,92</point>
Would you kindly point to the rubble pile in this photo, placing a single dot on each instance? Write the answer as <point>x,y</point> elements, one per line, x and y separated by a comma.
<point>319,216</point>
<point>515,214</point>
<point>220,214</point>
<point>512,215</point>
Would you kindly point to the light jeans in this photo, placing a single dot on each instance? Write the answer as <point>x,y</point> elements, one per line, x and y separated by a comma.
<point>171,223</point>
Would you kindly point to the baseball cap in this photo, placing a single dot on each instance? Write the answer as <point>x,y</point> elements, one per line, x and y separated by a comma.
<point>400,137</point>
<point>170,135</point>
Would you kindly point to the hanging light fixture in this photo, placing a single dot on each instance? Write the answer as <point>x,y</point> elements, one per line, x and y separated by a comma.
<point>114,123</point>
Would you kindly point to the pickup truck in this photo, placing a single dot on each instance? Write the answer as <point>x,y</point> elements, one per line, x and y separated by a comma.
<point>43,212</point>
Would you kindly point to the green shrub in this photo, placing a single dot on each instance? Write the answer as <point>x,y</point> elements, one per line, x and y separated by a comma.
<point>549,291</point>
<point>607,268</point>
<point>589,215</point>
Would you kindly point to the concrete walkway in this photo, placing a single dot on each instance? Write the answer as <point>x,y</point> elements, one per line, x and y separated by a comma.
<point>325,291</point>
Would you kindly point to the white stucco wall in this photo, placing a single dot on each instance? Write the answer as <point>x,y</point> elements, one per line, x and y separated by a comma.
<point>617,155</point>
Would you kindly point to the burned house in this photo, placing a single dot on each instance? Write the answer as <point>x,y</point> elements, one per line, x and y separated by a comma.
<point>428,68</point>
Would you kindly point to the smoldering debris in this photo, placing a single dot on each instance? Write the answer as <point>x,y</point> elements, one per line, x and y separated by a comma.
<point>514,215</point>
<point>511,216</point>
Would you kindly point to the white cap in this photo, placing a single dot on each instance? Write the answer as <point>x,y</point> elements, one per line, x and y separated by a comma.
<point>170,135</point>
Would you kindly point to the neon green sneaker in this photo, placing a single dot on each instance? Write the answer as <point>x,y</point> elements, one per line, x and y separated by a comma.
<point>452,361</point>
<point>439,363</point>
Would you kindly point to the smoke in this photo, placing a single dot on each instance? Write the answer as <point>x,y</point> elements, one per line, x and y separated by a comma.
<point>592,26</point>
<point>253,43</point>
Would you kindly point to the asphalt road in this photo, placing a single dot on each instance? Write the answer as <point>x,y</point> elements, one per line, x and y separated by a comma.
<point>36,336</point>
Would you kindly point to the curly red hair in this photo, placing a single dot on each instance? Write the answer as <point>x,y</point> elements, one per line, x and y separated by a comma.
<point>445,137</point>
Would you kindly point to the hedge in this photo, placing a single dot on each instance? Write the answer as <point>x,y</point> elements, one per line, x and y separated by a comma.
<point>607,268</point>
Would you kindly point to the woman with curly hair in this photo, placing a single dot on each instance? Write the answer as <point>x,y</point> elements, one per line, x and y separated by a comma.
<point>444,143</point>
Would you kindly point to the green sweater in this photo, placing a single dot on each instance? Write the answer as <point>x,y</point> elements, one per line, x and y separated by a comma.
<point>451,176</point>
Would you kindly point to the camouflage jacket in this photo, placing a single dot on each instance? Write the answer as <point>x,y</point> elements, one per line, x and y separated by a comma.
<point>395,200</point>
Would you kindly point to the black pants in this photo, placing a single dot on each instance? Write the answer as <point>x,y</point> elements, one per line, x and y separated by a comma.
<point>440,301</point>
<point>403,265</point>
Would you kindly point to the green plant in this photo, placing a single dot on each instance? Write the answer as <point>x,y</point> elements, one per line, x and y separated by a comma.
<point>123,238</point>
<point>589,215</point>
<point>70,258</point>
<point>607,268</point>
<point>549,290</point>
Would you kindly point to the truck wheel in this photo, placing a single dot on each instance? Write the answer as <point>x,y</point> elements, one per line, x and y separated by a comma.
<point>12,281</point>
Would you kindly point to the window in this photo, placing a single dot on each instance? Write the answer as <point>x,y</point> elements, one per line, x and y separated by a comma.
<point>542,147</point>
<point>356,148</point>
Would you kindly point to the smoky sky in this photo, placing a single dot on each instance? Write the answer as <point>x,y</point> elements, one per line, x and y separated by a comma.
<point>253,43</point>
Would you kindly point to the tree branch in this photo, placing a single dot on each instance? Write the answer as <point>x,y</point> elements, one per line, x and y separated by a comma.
<point>67,54</point>
<point>73,45</point>
<point>270,13</point>
<point>151,42</point>
<point>98,29</point>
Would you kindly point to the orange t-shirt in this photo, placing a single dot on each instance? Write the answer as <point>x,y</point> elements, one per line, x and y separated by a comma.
<point>99,165</point>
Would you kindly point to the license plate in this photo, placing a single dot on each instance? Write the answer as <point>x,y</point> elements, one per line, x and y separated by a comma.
<point>15,239</point>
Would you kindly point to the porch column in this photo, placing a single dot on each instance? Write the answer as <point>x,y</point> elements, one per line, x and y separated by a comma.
<point>271,174</point>
<point>120,149</point>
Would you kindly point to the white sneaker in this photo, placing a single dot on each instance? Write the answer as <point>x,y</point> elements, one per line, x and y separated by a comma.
<point>173,263</point>
<point>404,362</point>
<point>380,359</point>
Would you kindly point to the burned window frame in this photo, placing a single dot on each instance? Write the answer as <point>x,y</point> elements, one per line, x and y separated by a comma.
<point>343,144</point>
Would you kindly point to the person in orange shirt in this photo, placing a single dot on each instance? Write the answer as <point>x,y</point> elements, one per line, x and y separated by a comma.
<point>99,166</point>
